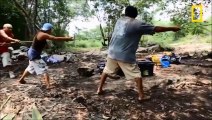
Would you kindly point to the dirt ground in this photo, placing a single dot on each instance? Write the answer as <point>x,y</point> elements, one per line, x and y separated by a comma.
<point>180,92</point>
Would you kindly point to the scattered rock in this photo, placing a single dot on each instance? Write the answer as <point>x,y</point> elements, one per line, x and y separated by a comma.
<point>106,117</point>
<point>210,60</point>
<point>210,55</point>
<point>85,71</point>
<point>79,99</point>
<point>205,82</point>
<point>198,73</point>
<point>169,82</point>
<point>205,53</point>
<point>85,58</point>
<point>24,48</point>
<point>70,58</point>
<point>155,48</point>
<point>142,50</point>
<point>171,89</point>
<point>73,97</point>
<point>191,54</point>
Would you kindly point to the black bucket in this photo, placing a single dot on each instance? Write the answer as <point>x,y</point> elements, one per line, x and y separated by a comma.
<point>146,67</point>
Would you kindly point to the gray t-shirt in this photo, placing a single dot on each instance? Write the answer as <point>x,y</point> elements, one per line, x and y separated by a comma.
<point>125,39</point>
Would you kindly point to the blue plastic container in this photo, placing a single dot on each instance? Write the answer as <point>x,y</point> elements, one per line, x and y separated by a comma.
<point>165,62</point>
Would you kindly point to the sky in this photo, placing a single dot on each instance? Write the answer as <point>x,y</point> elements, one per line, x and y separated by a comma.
<point>80,24</point>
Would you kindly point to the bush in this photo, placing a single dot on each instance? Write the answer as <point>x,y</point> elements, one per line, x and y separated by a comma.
<point>84,44</point>
<point>95,43</point>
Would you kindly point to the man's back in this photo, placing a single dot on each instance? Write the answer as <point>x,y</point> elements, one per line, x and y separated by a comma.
<point>126,37</point>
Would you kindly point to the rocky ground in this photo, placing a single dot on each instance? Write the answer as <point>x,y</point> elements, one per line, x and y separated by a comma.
<point>180,92</point>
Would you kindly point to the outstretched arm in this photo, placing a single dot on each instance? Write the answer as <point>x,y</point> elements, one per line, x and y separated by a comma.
<point>147,29</point>
<point>51,37</point>
<point>164,29</point>
<point>7,38</point>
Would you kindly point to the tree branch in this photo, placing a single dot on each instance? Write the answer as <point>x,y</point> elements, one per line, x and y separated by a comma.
<point>30,10</point>
<point>23,11</point>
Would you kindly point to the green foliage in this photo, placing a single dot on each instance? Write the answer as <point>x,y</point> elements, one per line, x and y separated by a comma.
<point>208,39</point>
<point>58,13</point>
<point>86,39</point>
<point>160,39</point>
<point>28,16</point>
<point>143,9</point>
<point>61,12</point>
<point>93,34</point>
<point>181,16</point>
<point>189,39</point>
<point>58,31</point>
<point>108,11</point>
<point>84,44</point>
<point>167,38</point>
<point>36,114</point>
<point>191,28</point>
<point>10,14</point>
<point>80,8</point>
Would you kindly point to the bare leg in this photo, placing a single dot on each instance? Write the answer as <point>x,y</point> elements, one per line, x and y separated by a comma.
<point>21,80</point>
<point>46,78</point>
<point>140,88</point>
<point>102,82</point>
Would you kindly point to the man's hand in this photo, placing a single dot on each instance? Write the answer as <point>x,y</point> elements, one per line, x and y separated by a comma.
<point>70,38</point>
<point>175,29</point>
<point>16,40</point>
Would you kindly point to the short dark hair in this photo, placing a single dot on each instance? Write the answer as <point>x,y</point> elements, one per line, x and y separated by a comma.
<point>131,11</point>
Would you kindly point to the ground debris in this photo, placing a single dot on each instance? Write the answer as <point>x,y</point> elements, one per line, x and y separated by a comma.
<point>177,92</point>
<point>85,71</point>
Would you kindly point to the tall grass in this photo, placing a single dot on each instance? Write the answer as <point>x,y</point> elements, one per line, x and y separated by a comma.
<point>84,44</point>
<point>168,38</point>
<point>92,39</point>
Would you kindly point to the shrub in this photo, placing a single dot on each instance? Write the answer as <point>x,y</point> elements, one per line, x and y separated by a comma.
<point>84,44</point>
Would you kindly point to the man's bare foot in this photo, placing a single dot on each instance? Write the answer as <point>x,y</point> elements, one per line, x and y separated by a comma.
<point>22,81</point>
<point>99,92</point>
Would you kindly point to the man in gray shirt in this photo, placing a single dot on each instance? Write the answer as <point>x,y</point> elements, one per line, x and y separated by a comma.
<point>123,47</point>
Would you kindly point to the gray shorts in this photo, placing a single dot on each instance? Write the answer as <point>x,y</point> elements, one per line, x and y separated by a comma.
<point>37,66</point>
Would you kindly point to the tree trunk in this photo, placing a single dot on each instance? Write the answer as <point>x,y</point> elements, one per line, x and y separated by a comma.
<point>35,16</point>
<point>103,35</point>
<point>31,24</point>
<point>26,31</point>
<point>44,11</point>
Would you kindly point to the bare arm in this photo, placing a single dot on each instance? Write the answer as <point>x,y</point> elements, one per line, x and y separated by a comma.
<point>9,39</point>
<point>4,44</point>
<point>51,37</point>
<point>164,29</point>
